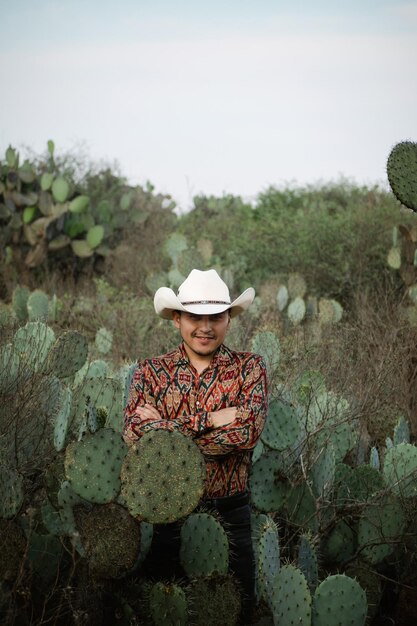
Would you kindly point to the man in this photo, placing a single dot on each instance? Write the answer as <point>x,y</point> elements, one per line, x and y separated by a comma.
<point>214,395</point>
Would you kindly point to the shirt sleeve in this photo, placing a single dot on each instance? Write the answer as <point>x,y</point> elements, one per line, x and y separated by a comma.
<point>140,393</point>
<point>193,425</point>
<point>252,407</point>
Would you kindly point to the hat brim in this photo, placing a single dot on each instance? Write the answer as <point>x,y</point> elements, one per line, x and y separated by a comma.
<point>166,302</point>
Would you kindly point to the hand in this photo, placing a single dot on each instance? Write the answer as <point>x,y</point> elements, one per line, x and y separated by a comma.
<point>223,417</point>
<point>147,411</point>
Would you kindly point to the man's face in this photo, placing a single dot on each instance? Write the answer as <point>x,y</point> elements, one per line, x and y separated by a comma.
<point>202,334</point>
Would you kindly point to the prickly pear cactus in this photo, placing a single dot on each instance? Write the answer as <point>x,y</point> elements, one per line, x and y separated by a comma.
<point>296,310</point>
<point>400,469</point>
<point>67,500</point>
<point>37,306</point>
<point>291,599</point>
<point>167,605</point>
<point>162,477</point>
<point>374,460</point>
<point>310,384</point>
<point>104,340</point>
<point>322,471</point>
<point>301,507</point>
<point>267,344</point>
<point>401,431</point>
<point>213,601</point>
<point>340,543</point>
<point>328,419</point>
<point>97,394</point>
<point>268,560</point>
<point>402,173</point>
<point>32,342</point>
<point>19,302</point>
<point>307,560</point>
<point>92,465</point>
<point>204,547</point>
<point>282,297</point>
<point>283,426</point>
<point>62,420</point>
<point>339,601</point>
<point>11,371</point>
<point>269,484</point>
<point>380,529</point>
<point>68,354</point>
<point>110,537</point>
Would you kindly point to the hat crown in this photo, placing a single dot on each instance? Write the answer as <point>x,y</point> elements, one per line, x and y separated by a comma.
<point>203,287</point>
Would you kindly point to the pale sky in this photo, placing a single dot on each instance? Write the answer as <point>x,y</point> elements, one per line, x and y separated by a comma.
<point>214,97</point>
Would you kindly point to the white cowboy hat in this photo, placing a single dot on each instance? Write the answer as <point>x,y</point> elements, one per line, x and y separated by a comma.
<point>201,293</point>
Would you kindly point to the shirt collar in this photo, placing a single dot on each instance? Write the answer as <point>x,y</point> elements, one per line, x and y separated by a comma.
<point>223,356</point>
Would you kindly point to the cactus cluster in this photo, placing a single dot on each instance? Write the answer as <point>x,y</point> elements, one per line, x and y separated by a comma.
<point>75,498</point>
<point>45,213</point>
<point>293,300</point>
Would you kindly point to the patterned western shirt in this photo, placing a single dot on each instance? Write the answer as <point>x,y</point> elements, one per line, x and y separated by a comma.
<point>184,400</point>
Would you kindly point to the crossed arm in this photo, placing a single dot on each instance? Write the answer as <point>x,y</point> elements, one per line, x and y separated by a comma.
<point>215,432</point>
<point>220,418</point>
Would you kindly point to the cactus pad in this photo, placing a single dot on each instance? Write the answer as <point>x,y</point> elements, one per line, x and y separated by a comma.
<point>400,469</point>
<point>19,302</point>
<point>92,465</point>
<point>301,507</point>
<point>9,369</point>
<point>282,427</point>
<point>37,306</point>
<point>95,394</point>
<point>401,431</point>
<point>268,560</point>
<point>110,537</point>
<point>307,561</point>
<point>339,601</point>
<point>323,471</point>
<point>296,310</point>
<point>163,477</point>
<point>204,546</point>
<point>269,485</point>
<point>104,340</point>
<point>60,189</point>
<point>266,343</point>
<point>402,173</point>
<point>340,544</point>
<point>68,354</point>
<point>328,419</point>
<point>380,529</point>
<point>62,420</point>
<point>214,601</point>
<point>291,600</point>
<point>167,605</point>
<point>33,342</point>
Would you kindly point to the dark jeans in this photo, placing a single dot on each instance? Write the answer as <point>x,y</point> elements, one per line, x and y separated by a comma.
<point>163,559</point>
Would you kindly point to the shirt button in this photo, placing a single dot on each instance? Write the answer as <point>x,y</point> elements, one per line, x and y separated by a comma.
<point>198,405</point>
